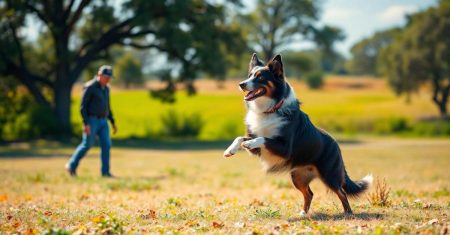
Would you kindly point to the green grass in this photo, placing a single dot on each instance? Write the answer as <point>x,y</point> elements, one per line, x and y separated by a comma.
<point>199,191</point>
<point>344,110</point>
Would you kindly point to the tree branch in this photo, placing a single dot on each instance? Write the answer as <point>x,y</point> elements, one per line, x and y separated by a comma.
<point>68,9</point>
<point>140,46</point>
<point>38,13</point>
<point>76,15</point>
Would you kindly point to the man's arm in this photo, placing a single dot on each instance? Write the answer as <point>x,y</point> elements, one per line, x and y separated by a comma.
<point>85,98</point>
<point>110,115</point>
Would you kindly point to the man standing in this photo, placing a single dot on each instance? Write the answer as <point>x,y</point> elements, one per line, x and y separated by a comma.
<point>95,110</point>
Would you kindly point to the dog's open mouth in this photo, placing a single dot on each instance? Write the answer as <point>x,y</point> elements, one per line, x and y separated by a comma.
<point>255,94</point>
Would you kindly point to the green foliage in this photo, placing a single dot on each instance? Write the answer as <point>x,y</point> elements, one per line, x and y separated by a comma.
<point>314,80</point>
<point>421,54</point>
<point>365,53</point>
<point>325,39</point>
<point>56,231</point>
<point>128,71</point>
<point>175,124</point>
<point>297,64</point>
<point>110,225</point>
<point>267,213</point>
<point>37,121</point>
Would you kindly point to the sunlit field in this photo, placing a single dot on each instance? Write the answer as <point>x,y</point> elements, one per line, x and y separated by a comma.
<point>349,106</point>
<point>194,192</point>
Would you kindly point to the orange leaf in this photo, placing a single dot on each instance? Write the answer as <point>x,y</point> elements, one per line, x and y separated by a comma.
<point>3,198</point>
<point>217,224</point>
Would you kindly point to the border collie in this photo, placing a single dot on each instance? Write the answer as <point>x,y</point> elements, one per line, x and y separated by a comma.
<point>285,139</point>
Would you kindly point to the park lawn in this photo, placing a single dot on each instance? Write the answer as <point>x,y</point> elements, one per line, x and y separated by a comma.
<point>192,192</point>
<point>345,105</point>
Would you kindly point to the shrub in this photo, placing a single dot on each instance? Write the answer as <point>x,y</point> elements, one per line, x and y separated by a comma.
<point>314,80</point>
<point>36,121</point>
<point>177,125</point>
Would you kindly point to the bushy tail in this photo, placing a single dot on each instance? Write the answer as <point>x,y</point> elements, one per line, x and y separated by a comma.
<point>355,188</point>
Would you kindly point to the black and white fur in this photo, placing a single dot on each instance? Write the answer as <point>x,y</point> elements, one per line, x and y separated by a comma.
<point>285,139</point>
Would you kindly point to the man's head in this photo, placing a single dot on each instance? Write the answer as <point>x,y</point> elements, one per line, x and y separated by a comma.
<point>104,74</point>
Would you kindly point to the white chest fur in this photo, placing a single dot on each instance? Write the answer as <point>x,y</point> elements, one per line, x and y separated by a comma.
<point>264,125</point>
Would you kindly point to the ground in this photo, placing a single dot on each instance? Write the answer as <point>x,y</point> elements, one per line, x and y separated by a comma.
<point>199,191</point>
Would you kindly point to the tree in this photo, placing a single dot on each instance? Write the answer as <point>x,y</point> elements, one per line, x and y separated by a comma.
<point>78,33</point>
<point>365,53</point>
<point>128,71</point>
<point>277,23</point>
<point>421,54</point>
<point>325,39</point>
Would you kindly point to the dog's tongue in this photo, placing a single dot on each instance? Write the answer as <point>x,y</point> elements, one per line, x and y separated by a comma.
<point>250,95</point>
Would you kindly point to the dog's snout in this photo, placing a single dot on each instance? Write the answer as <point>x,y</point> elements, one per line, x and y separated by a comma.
<point>242,85</point>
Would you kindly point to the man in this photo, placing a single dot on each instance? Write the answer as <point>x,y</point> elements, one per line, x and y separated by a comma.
<point>95,110</point>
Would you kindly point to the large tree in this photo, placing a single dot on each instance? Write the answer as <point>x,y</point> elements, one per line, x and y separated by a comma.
<point>76,33</point>
<point>365,53</point>
<point>275,24</point>
<point>421,54</point>
<point>325,39</point>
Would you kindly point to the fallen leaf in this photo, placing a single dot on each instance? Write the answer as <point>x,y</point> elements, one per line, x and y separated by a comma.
<point>217,224</point>
<point>48,213</point>
<point>31,231</point>
<point>3,198</point>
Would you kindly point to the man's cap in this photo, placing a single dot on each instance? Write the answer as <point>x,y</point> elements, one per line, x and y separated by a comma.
<point>105,70</point>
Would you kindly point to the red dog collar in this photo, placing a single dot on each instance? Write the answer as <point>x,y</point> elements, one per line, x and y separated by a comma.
<point>275,108</point>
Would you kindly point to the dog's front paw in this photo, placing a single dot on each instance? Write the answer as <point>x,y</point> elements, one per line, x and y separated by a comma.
<point>234,147</point>
<point>228,153</point>
<point>253,143</point>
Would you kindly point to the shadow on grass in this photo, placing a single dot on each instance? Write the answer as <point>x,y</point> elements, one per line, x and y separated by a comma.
<point>336,217</point>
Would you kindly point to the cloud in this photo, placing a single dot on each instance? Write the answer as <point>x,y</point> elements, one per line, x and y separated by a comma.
<point>396,13</point>
<point>332,14</point>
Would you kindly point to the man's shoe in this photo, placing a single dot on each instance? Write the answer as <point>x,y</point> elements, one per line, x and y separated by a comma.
<point>107,175</point>
<point>70,170</point>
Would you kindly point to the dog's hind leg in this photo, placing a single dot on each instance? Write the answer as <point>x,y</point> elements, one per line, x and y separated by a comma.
<point>301,179</point>
<point>343,197</point>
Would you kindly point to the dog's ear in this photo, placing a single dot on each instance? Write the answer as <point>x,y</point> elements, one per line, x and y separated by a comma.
<point>254,61</point>
<point>276,66</point>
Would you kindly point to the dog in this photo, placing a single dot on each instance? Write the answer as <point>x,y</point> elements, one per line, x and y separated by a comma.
<point>284,138</point>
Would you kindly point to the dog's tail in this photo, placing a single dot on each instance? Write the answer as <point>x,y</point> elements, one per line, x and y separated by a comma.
<point>355,188</point>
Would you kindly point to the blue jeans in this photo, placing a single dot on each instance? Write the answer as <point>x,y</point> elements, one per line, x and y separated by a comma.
<point>99,126</point>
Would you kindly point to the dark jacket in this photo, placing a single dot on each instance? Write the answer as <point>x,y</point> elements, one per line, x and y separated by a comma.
<point>95,101</point>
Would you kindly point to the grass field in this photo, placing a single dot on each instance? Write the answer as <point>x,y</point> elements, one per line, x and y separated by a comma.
<point>199,191</point>
<point>347,106</point>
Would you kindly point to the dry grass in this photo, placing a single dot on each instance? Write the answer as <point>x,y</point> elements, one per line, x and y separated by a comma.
<point>192,192</point>
<point>380,195</point>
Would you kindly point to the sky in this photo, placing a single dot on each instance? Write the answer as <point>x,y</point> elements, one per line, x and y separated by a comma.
<point>362,18</point>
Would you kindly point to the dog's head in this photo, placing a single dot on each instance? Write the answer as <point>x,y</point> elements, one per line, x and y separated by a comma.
<point>266,84</point>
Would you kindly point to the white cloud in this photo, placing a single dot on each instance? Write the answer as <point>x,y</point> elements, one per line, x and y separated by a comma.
<point>396,13</point>
<point>332,14</point>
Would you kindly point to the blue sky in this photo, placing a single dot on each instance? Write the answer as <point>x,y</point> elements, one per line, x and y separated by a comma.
<point>362,18</point>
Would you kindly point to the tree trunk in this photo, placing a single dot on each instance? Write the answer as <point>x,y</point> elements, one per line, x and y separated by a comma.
<point>62,94</point>
<point>63,85</point>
